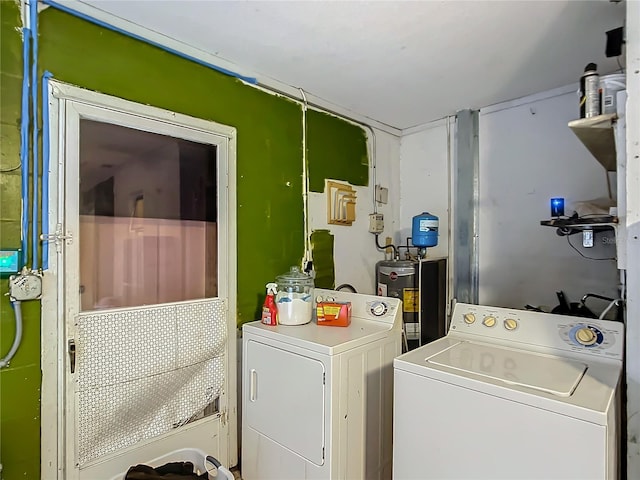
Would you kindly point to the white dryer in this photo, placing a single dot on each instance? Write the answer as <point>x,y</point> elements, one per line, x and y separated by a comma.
<point>510,394</point>
<point>317,400</point>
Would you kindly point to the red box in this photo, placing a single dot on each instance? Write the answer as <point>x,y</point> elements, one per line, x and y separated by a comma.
<point>334,314</point>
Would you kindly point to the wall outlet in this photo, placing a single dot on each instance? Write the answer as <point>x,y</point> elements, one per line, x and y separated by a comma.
<point>376,223</point>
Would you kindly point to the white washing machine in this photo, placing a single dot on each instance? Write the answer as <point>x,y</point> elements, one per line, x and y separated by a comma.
<point>317,400</point>
<point>510,394</point>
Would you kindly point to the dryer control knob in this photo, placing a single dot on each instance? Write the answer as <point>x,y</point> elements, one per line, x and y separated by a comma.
<point>585,336</point>
<point>489,321</point>
<point>469,318</point>
<point>510,324</point>
<point>378,309</point>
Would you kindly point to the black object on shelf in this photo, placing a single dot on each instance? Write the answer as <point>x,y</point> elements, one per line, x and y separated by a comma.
<point>571,225</point>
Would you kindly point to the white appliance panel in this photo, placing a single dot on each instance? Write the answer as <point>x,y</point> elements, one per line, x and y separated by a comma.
<point>286,399</point>
<point>558,376</point>
<point>477,436</point>
<point>543,332</point>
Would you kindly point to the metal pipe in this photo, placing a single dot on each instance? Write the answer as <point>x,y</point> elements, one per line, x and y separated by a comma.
<point>45,169</point>
<point>24,143</point>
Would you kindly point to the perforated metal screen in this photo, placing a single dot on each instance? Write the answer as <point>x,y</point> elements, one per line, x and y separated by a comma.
<point>144,371</point>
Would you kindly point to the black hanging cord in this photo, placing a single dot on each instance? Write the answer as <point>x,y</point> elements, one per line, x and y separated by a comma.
<point>395,250</point>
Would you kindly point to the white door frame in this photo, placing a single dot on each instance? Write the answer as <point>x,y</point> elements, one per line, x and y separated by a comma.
<point>53,336</point>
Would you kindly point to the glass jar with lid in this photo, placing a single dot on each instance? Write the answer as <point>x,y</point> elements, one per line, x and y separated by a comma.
<point>294,299</point>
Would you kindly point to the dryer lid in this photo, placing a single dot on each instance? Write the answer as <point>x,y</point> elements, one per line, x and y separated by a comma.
<point>555,375</point>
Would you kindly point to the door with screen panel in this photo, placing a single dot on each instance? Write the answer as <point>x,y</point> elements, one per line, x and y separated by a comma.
<point>147,286</point>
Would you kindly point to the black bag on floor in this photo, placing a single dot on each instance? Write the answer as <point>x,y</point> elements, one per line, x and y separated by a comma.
<point>169,471</point>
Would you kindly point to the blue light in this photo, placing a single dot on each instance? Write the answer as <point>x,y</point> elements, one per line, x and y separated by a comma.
<point>557,207</point>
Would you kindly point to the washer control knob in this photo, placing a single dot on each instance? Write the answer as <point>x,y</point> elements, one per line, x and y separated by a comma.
<point>489,321</point>
<point>585,336</point>
<point>510,324</point>
<point>469,318</point>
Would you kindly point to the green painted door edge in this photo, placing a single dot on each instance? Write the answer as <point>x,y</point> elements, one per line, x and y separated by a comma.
<point>322,244</point>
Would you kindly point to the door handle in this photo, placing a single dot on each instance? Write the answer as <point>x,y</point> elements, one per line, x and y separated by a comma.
<point>71,350</point>
<point>253,384</point>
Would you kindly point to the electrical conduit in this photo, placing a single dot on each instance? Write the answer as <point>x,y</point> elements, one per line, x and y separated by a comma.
<point>45,169</point>
<point>24,144</point>
<point>17,310</point>
<point>305,185</point>
<point>33,15</point>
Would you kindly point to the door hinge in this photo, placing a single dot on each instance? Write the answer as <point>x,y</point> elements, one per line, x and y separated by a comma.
<point>58,236</point>
<point>324,378</point>
<point>223,417</point>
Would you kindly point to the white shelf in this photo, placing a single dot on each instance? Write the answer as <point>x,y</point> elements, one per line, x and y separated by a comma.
<point>598,136</point>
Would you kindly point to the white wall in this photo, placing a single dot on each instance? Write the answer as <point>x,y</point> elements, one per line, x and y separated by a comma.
<point>632,30</point>
<point>527,156</point>
<point>355,252</point>
<point>424,181</point>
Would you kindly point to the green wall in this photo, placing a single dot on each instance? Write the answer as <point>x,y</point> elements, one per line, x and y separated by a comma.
<point>20,383</point>
<point>335,149</point>
<point>269,177</point>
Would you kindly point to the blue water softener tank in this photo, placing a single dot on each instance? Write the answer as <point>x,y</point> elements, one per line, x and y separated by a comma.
<point>424,231</point>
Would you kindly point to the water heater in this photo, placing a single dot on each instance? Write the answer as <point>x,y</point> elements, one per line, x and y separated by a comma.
<point>424,231</point>
<point>422,287</point>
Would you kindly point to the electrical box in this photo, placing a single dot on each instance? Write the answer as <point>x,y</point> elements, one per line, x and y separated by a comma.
<point>376,223</point>
<point>9,261</point>
<point>26,286</point>
<point>382,194</point>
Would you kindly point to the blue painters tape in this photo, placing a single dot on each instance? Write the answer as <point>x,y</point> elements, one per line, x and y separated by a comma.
<point>46,155</point>
<point>88,18</point>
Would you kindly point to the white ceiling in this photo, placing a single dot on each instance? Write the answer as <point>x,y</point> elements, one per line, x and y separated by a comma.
<point>401,63</point>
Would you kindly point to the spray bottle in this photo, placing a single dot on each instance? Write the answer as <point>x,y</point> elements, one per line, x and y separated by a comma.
<point>590,92</point>
<point>269,310</point>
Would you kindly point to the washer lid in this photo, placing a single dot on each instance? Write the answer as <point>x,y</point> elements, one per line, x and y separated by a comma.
<point>555,375</point>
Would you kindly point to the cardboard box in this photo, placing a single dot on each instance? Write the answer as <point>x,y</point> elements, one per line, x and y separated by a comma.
<point>334,314</point>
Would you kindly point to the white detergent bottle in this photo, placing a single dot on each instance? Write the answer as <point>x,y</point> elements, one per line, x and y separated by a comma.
<point>294,299</point>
